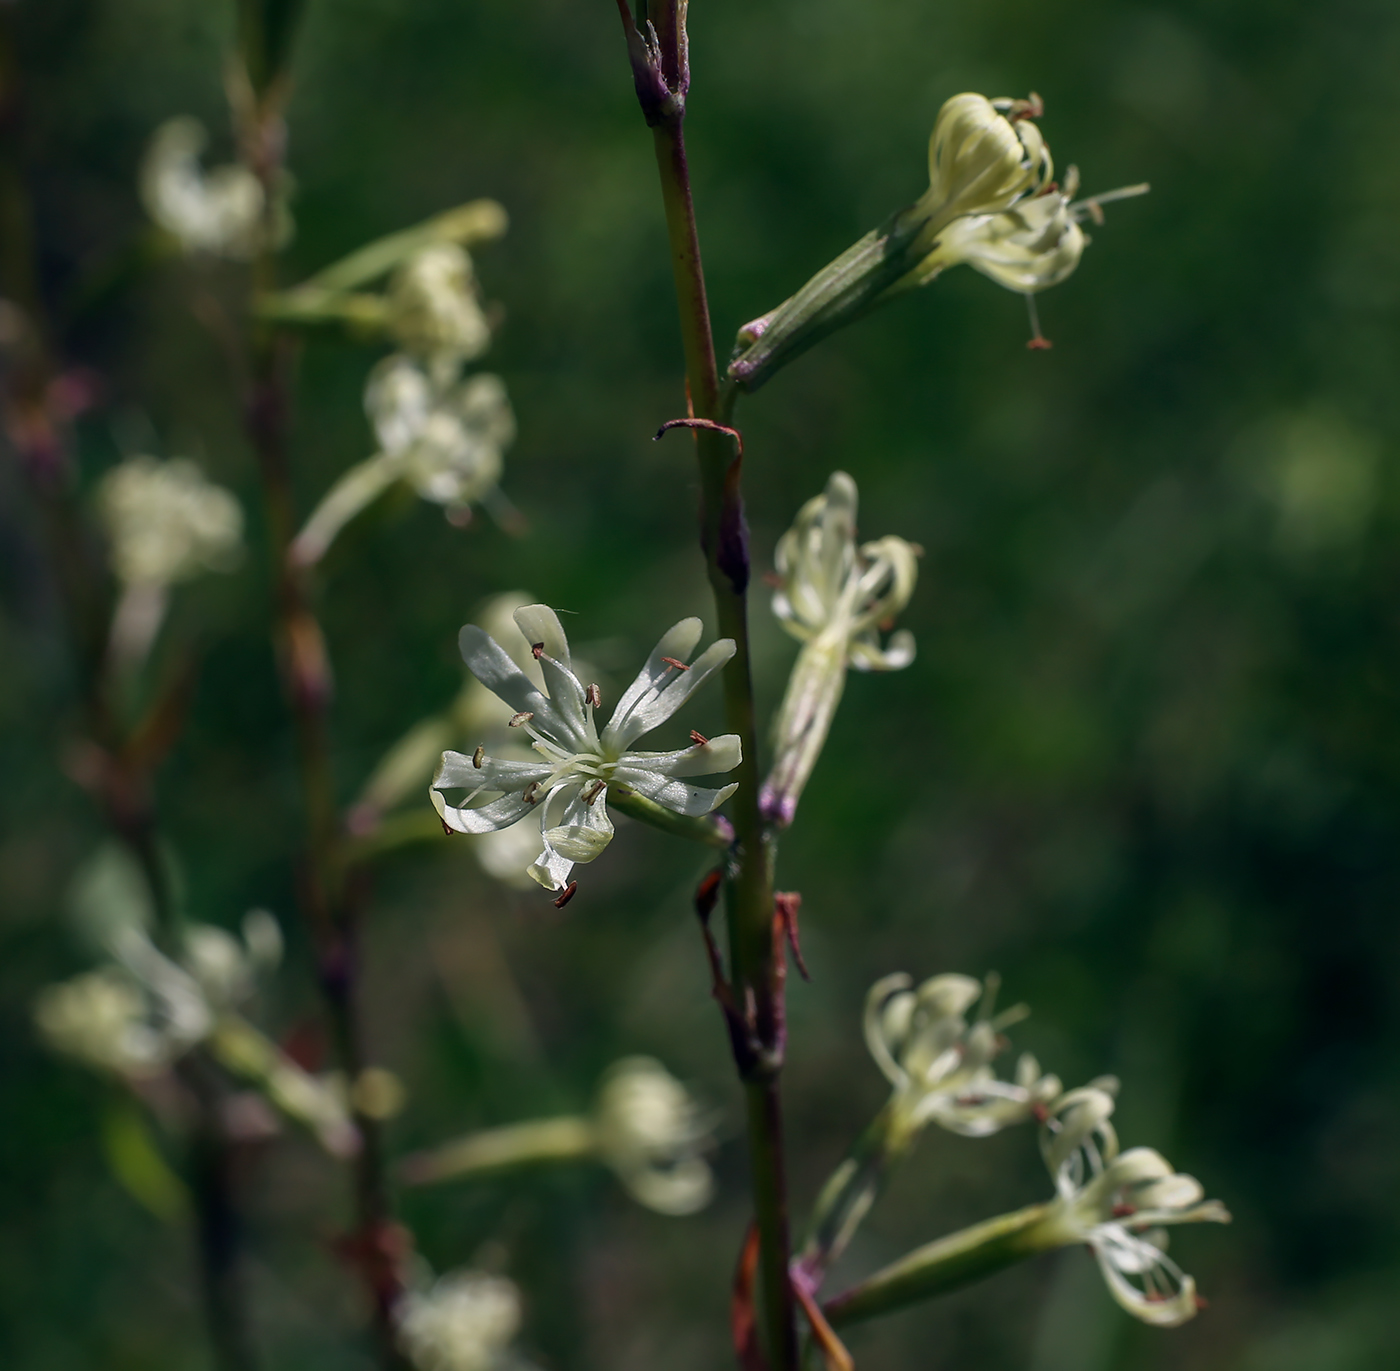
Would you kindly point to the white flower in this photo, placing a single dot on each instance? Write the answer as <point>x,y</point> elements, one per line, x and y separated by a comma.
<point>166,522</point>
<point>650,1132</point>
<point>219,211</point>
<point>434,310</point>
<point>940,1066</point>
<point>465,1322</point>
<point>835,597</point>
<point>577,764</point>
<point>445,438</point>
<point>1118,1205</point>
<point>1029,247</point>
<point>101,1019</point>
<point>980,161</point>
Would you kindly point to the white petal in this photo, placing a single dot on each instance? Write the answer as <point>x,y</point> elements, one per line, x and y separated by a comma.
<point>1168,1295</point>
<point>540,624</point>
<point>678,796</point>
<point>704,759</point>
<point>679,642</point>
<point>457,771</point>
<point>654,707</point>
<point>489,663</point>
<point>584,830</point>
<point>509,809</point>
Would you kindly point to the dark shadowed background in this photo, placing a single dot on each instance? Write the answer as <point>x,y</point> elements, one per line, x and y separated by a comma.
<point>1147,763</point>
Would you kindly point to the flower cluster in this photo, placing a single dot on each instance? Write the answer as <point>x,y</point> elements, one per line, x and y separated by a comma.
<point>941,1066</point>
<point>166,522</point>
<point>138,1014</point>
<point>219,212</point>
<point>465,1321</point>
<point>835,596</point>
<point>1119,1204</point>
<point>651,1132</point>
<point>576,764</point>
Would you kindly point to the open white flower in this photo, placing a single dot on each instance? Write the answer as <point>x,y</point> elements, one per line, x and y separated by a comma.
<point>568,785</point>
<point>219,212</point>
<point>446,438</point>
<point>464,1322</point>
<point>940,1066</point>
<point>835,597</point>
<point>651,1132</point>
<point>1119,1204</point>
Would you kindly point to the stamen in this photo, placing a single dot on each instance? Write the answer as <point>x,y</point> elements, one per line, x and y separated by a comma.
<point>537,649</point>
<point>567,895</point>
<point>1037,343</point>
<point>531,793</point>
<point>596,789</point>
<point>671,661</point>
<point>594,696</point>
<point>478,756</point>
<point>699,738</point>
<point>523,717</point>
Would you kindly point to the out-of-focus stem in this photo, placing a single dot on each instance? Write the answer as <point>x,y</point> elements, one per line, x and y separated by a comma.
<point>749,889</point>
<point>488,1153</point>
<point>325,897</point>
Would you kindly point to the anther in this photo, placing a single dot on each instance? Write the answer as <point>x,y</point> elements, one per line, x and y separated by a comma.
<point>596,789</point>
<point>1124,1211</point>
<point>566,895</point>
<point>671,661</point>
<point>531,793</point>
<point>594,696</point>
<point>447,828</point>
<point>699,738</point>
<point>478,756</point>
<point>523,717</point>
<point>537,649</point>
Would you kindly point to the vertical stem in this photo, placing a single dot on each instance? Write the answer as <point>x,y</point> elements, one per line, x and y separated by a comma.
<point>326,901</point>
<point>749,891</point>
<point>123,788</point>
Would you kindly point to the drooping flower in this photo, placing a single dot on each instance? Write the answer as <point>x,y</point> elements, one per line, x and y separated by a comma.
<point>219,212</point>
<point>446,439</point>
<point>576,763</point>
<point>940,1065</point>
<point>835,597</point>
<point>991,202</point>
<point>464,1322</point>
<point>651,1132</point>
<point>1119,1204</point>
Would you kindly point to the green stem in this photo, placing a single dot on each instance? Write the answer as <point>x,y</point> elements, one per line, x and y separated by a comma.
<point>749,890</point>
<point>494,1150</point>
<point>940,1266</point>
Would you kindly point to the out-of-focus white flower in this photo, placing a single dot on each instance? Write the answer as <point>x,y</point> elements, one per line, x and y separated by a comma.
<point>464,1322</point>
<point>166,522</point>
<point>1119,1204</point>
<point>651,1132</point>
<point>576,764</point>
<point>219,212</point>
<point>434,307</point>
<point>941,1066</point>
<point>100,1019</point>
<point>835,597</point>
<point>445,438</point>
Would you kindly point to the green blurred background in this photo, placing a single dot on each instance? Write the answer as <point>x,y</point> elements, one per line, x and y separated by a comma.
<point>1147,763</point>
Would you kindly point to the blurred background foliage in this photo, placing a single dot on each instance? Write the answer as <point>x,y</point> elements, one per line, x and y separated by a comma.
<point>1147,763</point>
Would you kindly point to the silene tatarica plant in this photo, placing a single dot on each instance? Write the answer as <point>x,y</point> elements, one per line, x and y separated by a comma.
<point>530,763</point>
